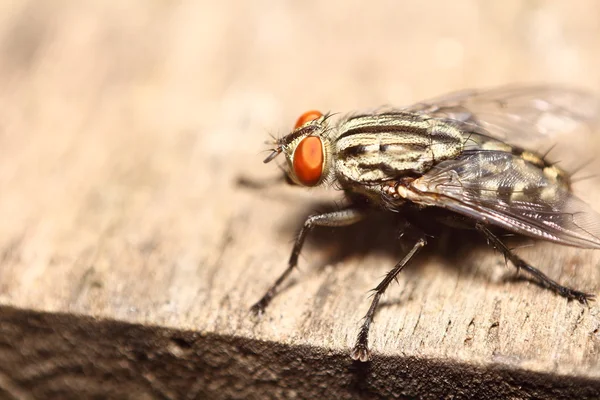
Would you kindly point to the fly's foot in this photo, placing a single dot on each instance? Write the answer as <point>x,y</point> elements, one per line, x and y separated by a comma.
<point>260,306</point>
<point>360,352</point>
<point>258,309</point>
<point>572,294</point>
<point>585,298</point>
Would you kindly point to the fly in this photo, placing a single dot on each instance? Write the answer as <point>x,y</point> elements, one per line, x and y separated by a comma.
<point>468,154</point>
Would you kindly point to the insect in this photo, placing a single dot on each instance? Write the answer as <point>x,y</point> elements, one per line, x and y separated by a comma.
<point>469,155</point>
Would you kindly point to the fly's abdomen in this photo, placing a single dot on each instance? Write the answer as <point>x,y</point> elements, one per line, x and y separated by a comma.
<point>547,170</point>
<point>377,148</point>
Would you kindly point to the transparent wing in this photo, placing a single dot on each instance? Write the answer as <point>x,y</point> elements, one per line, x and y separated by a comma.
<point>519,111</point>
<point>531,117</point>
<point>498,188</point>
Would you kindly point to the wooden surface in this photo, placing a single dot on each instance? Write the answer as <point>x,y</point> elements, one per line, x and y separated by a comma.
<point>129,253</point>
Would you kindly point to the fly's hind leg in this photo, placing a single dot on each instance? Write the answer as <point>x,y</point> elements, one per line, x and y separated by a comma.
<point>337,218</point>
<point>538,275</point>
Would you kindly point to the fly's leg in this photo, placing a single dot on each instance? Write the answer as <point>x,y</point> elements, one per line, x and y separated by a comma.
<point>251,183</point>
<point>361,348</point>
<point>542,278</point>
<point>336,218</point>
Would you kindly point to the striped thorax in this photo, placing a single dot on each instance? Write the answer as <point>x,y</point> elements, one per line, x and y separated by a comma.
<point>380,147</point>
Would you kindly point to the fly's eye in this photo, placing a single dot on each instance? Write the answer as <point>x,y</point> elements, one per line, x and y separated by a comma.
<point>308,161</point>
<point>307,117</point>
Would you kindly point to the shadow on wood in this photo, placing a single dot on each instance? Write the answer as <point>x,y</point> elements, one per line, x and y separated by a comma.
<point>73,357</point>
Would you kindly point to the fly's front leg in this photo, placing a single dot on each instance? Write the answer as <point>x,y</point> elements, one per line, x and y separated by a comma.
<point>541,278</point>
<point>361,349</point>
<point>336,218</point>
<point>251,183</point>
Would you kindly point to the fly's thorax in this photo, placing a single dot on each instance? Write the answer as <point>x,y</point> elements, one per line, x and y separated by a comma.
<point>380,147</point>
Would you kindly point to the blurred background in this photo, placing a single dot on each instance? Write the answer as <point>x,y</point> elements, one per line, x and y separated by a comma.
<point>123,125</point>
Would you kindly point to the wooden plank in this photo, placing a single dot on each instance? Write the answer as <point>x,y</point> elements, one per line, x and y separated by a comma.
<point>123,133</point>
<point>65,356</point>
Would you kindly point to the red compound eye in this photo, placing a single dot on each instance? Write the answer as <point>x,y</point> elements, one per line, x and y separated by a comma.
<point>308,161</point>
<point>307,117</point>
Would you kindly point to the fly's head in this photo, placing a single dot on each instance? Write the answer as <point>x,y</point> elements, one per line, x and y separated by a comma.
<point>307,150</point>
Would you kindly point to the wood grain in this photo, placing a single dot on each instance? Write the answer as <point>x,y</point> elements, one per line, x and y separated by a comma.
<point>130,253</point>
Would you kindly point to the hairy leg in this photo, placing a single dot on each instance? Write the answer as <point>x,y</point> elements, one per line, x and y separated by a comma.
<point>361,348</point>
<point>337,218</point>
<point>538,275</point>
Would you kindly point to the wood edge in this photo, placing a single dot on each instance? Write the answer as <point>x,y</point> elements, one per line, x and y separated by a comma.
<point>52,355</point>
